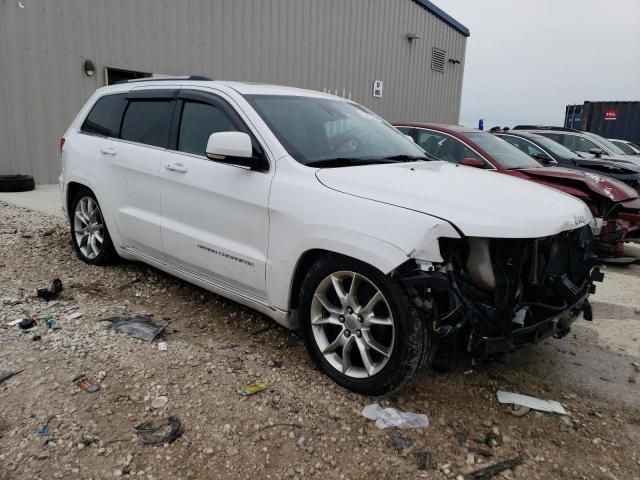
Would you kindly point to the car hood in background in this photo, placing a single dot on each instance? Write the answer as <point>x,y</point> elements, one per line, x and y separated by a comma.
<point>576,179</point>
<point>480,203</point>
<point>605,164</point>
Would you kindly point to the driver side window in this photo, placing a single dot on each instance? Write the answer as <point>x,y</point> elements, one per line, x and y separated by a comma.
<point>444,147</point>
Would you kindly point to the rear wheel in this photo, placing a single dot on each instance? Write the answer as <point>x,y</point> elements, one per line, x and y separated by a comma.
<point>89,233</point>
<point>360,327</point>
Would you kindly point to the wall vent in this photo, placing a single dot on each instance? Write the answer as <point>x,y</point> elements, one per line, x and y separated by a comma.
<point>438,59</point>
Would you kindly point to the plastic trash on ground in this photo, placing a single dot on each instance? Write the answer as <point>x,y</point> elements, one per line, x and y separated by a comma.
<point>534,403</point>
<point>252,389</point>
<point>52,292</point>
<point>159,431</point>
<point>136,327</point>
<point>391,417</point>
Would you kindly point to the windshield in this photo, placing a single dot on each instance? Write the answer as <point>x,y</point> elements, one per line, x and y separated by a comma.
<point>554,147</point>
<point>506,154</point>
<point>605,143</point>
<point>330,132</point>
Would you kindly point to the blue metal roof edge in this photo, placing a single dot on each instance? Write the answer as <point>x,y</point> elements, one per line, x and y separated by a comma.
<point>444,16</point>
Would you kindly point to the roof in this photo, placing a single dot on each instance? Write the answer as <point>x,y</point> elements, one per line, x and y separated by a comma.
<point>244,88</point>
<point>436,126</point>
<point>444,16</point>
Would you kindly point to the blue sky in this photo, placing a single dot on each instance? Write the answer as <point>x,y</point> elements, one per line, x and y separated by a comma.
<point>528,59</point>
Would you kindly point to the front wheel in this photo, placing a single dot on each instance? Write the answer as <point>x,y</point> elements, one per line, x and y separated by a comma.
<point>360,327</point>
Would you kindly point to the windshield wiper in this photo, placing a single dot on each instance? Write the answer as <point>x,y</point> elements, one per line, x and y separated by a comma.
<point>411,158</point>
<point>348,161</point>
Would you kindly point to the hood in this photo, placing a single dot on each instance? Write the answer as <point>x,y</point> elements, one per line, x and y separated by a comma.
<point>600,185</point>
<point>611,165</point>
<point>480,203</point>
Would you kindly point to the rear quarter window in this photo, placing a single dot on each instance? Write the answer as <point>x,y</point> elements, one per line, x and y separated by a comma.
<point>105,116</point>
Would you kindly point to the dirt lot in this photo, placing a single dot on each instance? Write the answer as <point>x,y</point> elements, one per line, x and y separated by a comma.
<point>303,425</point>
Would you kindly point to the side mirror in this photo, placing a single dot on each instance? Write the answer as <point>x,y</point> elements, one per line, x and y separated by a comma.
<point>472,162</point>
<point>544,159</point>
<point>234,148</point>
<point>596,151</point>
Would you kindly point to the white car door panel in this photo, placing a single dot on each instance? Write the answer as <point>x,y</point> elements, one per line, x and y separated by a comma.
<point>215,216</point>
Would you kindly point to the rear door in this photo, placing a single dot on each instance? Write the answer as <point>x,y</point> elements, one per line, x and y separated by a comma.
<point>215,215</point>
<point>130,166</point>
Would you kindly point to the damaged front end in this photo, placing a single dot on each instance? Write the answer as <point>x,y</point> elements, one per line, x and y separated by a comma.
<point>501,294</point>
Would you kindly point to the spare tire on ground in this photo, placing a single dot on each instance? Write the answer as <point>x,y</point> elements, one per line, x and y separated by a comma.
<point>16,183</point>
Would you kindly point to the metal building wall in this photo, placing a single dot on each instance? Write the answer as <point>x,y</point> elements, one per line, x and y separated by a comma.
<point>339,45</point>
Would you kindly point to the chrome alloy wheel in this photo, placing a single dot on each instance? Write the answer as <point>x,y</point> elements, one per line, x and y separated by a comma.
<point>352,324</point>
<point>88,227</point>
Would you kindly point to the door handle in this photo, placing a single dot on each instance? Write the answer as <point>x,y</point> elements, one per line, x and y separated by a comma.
<point>176,167</point>
<point>108,151</point>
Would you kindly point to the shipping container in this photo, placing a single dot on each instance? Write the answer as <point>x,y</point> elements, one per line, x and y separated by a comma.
<point>610,119</point>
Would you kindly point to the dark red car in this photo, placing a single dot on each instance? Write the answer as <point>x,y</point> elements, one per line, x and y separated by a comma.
<point>615,205</point>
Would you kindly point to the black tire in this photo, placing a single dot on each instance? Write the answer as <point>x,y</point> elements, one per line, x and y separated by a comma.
<point>413,345</point>
<point>17,183</point>
<point>107,254</point>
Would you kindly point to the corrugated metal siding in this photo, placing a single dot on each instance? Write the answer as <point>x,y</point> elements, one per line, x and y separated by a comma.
<point>626,126</point>
<point>338,45</point>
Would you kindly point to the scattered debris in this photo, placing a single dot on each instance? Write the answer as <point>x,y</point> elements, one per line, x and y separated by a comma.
<point>159,431</point>
<point>52,292</point>
<point>400,443</point>
<point>137,327</point>
<point>636,366</point>
<point>74,316</point>
<point>162,346</point>
<point>423,458</point>
<point>391,417</point>
<point>86,383</point>
<point>495,469</point>
<point>27,323</point>
<point>160,402</point>
<point>252,389</point>
<point>6,375</point>
<point>15,322</point>
<point>262,330</point>
<point>51,323</point>
<point>44,433</point>
<point>36,337</point>
<point>632,379</point>
<point>534,403</point>
<point>49,232</point>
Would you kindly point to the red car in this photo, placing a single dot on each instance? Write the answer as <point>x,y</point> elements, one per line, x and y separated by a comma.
<point>615,205</point>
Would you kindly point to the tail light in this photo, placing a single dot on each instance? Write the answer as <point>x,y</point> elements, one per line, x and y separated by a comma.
<point>62,140</point>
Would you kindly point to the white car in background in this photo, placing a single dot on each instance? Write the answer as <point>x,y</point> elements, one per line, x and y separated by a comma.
<point>629,148</point>
<point>319,214</point>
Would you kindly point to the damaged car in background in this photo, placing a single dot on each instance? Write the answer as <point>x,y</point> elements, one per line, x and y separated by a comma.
<point>316,212</point>
<point>614,204</point>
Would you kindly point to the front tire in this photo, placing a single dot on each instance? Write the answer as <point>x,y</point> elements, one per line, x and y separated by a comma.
<point>89,234</point>
<point>360,327</point>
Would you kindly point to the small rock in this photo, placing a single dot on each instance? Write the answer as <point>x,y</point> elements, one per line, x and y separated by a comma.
<point>632,379</point>
<point>232,451</point>
<point>636,366</point>
<point>423,458</point>
<point>208,451</point>
<point>160,402</point>
<point>48,232</point>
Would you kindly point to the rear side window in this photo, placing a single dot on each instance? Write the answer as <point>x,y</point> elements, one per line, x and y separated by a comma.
<point>199,121</point>
<point>148,121</point>
<point>105,116</point>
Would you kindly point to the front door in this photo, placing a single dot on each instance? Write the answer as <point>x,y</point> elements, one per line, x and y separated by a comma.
<point>215,216</point>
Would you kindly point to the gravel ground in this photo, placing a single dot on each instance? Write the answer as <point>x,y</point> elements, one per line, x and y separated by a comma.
<point>302,425</point>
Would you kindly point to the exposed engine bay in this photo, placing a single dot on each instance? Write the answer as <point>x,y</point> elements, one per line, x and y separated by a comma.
<point>499,294</point>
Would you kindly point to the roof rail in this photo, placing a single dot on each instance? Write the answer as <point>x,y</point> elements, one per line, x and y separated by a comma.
<point>544,127</point>
<point>165,79</point>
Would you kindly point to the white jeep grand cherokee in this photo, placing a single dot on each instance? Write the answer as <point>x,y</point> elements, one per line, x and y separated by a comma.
<point>316,212</point>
